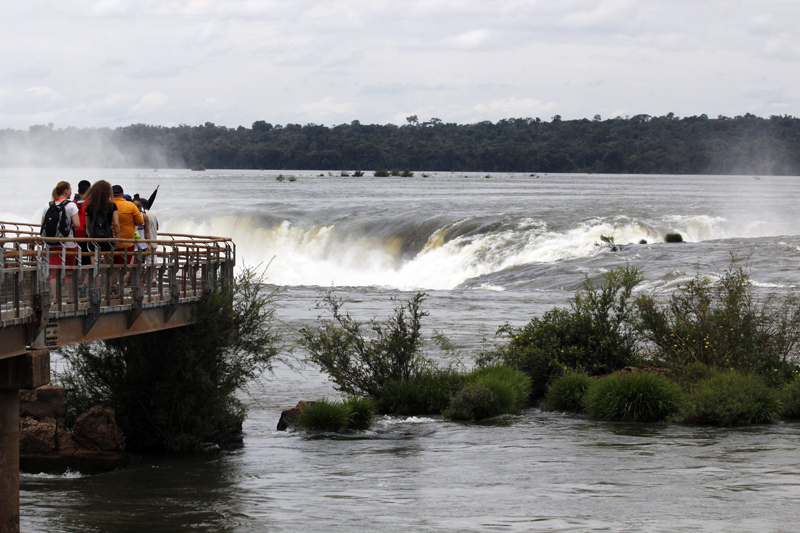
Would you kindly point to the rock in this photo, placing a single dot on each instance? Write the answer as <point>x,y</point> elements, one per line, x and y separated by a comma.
<point>96,429</point>
<point>44,436</point>
<point>44,402</point>
<point>289,418</point>
<point>37,436</point>
<point>83,461</point>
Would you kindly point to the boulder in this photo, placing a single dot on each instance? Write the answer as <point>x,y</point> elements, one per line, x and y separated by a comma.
<point>44,402</point>
<point>289,418</point>
<point>97,430</point>
<point>37,436</point>
<point>44,436</point>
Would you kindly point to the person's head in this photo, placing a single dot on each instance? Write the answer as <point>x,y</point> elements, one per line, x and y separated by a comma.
<point>62,190</point>
<point>83,187</point>
<point>118,192</point>
<point>141,202</point>
<point>98,196</point>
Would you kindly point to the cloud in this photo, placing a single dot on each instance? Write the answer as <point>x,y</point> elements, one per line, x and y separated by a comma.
<point>111,7</point>
<point>606,13</point>
<point>45,93</point>
<point>163,71</point>
<point>514,107</point>
<point>326,107</point>
<point>469,40</point>
<point>150,102</point>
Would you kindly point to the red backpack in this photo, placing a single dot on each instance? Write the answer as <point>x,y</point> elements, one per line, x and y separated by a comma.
<point>81,231</point>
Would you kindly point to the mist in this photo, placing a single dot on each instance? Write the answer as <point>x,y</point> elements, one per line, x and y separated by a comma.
<point>44,147</point>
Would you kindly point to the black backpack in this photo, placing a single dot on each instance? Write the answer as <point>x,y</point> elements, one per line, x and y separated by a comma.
<point>56,223</point>
<point>99,227</point>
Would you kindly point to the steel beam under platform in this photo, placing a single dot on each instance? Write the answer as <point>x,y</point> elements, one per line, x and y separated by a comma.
<point>109,325</point>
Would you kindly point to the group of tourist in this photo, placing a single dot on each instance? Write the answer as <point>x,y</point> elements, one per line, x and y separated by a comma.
<point>98,211</point>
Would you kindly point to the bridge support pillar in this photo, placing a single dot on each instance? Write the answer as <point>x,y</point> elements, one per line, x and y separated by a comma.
<point>26,371</point>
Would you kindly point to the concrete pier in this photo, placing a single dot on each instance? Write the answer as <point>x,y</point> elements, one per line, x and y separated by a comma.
<point>26,371</point>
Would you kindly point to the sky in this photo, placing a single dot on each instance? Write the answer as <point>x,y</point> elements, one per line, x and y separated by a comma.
<point>112,63</point>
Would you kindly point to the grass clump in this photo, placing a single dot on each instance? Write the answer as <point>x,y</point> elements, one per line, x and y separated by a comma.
<point>567,393</point>
<point>427,392</point>
<point>731,399</point>
<point>361,412</point>
<point>632,397</point>
<point>355,413</point>
<point>381,173</point>
<point>490,391</point>
<point>473,402</point>
<point>324,415</point>
<point>596,334</point>
<point>673,237</point>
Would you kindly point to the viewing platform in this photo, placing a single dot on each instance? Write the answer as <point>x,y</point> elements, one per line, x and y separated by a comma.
<point>115,294</point>
<point>44,306</point>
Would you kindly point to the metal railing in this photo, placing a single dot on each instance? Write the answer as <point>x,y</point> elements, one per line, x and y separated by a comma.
<point>44,278</point>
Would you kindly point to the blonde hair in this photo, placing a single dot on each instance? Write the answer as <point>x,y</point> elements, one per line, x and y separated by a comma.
<point>58,192</point>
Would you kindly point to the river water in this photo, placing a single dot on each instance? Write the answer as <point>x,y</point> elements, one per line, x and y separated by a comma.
<point>486,250</point>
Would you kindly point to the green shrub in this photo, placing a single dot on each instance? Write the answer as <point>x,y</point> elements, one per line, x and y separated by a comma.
<point>724,325</point>
<point>324,415</point>
<point>358,173</point>
<point>473,402</point>
<point>490,391</point>
<point>401,398</point>
<point>731,399</point>
<point>361,412</point>
<point>511,387</point>
<point>381,173</point>
<point>790,398</point>
<point>673,237</point>
<point>594,335</point>
<point>567,393</point>
<point>175,389</point>
<point>360,364</point>
<point>427,392</point>
<point>632,397</point>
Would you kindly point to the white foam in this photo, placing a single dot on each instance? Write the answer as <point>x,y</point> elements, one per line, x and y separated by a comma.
<point>323,255</point>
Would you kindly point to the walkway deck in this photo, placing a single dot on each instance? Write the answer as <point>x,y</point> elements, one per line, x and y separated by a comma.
<point>43,306</point>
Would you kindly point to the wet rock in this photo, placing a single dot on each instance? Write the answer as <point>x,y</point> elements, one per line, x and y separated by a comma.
<point>43,402</point>
<point>82,461</point>
<point>97,430</point>
<point>290,417</point>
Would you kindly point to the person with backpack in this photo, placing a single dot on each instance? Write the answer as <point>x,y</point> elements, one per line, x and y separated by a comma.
<point>102,218</point>
<point>59,219</point>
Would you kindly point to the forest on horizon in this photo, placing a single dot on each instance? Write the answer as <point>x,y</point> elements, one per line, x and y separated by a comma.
<point>640,144</point>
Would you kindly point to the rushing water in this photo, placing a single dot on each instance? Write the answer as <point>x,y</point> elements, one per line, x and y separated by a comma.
<point>487,251</point>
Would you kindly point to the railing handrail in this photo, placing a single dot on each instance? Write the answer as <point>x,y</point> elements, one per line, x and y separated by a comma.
<point>35,290</point>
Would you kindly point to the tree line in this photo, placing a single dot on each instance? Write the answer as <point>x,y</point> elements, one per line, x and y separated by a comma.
<point>641,144</point>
